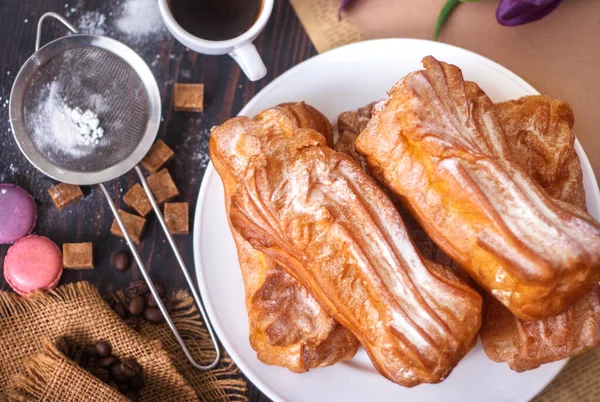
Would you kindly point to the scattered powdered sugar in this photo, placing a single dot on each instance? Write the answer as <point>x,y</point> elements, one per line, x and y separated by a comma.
<point>204,158</point>
<point>8,174</point>
<point>201,155</point>
<point>136,21</point>
<point>92,22</point>
<point>140,18</point>
<point>195,147</point>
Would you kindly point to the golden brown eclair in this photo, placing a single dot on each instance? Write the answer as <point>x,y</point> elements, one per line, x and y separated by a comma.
<point>540,135</point>
<point>437,143</point>
<point>525,345</point>
<point>287,326</point>
<point>350,124</point>
<point>314,210</point>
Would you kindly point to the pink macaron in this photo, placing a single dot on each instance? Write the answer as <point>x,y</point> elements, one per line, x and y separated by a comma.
<point>33,263</point>
<point>18,213</point>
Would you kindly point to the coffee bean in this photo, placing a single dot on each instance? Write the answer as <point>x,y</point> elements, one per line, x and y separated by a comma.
<point>84,361</point>
<point>136,382</point>
<point>103,349</point>
<point>160,289</point>
<point>101,373</point>
<point>91,364</point>
<point>109,300</point>
<point>63,346</point>
<point>122,261</point>
<point>107,361</point>
<point>73,349</point>
<point>135,288</point>
<point>115,370</point>
<point>123,387</point>
<point>79,358</point>
<point>120,379</point>
<point>152,301</point>
<point>117,374</point>
<point>131,367</point>
<point>136,323</point>
<point>136,305</point>
<point>90,350</point>
<point>113,384</point>
<point>138,326</point>
<point>153,315</point>
<point>169,305</point>
<point>132,395</point>
<point>121,310</point>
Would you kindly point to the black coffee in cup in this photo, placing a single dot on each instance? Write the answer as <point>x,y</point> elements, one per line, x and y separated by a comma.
<point>215,19</point>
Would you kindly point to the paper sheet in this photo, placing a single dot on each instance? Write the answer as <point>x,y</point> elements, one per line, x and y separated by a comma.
<point>320,19</point>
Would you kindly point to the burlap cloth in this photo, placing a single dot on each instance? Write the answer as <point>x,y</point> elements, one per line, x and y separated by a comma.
<point>32,369</point>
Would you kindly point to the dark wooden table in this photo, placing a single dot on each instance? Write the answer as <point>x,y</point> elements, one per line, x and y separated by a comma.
<point>282,45</point>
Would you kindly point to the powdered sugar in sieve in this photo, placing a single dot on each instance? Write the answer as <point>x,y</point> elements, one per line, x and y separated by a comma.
<point>72,130</point>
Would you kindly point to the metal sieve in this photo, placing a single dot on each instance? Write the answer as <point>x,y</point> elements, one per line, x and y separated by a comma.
<point>106,76</point>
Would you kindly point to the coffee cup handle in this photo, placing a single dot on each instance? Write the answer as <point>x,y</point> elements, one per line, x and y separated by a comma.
<point>250,62</point>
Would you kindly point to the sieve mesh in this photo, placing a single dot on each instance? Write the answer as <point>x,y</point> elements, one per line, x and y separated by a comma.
<point>92,78</point>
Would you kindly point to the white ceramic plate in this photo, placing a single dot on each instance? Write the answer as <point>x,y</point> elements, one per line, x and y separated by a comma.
<point>336,81</point>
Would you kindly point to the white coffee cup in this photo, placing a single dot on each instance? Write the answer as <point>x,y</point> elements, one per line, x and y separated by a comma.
<point>240,48</point>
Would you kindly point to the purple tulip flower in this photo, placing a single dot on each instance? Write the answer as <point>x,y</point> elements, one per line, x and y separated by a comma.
<point>343,4</point>
<point>517,12</point>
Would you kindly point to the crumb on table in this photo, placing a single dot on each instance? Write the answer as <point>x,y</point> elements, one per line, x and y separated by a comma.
<point>177,217</point>
<point>137,199</point>
<point>157,157</point>
<point>189,97</point>
<point>163,187</point>
<point>78,256</point>
<point>64,194</point>
<point>134,224</point>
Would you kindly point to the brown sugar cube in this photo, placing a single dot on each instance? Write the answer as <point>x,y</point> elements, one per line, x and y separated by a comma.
<point>78,256</point>
<point>189,97</point>
<point>157,157</point>
<point>162,186</point>
<point>137,199</point>
<point>176,217</point>
<point>134,224</point>
<point>64,194</point>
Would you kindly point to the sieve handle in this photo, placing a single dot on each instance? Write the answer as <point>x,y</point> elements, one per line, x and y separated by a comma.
<point>188,279</point>
<point>38,36</point>
<point>150,284</point>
